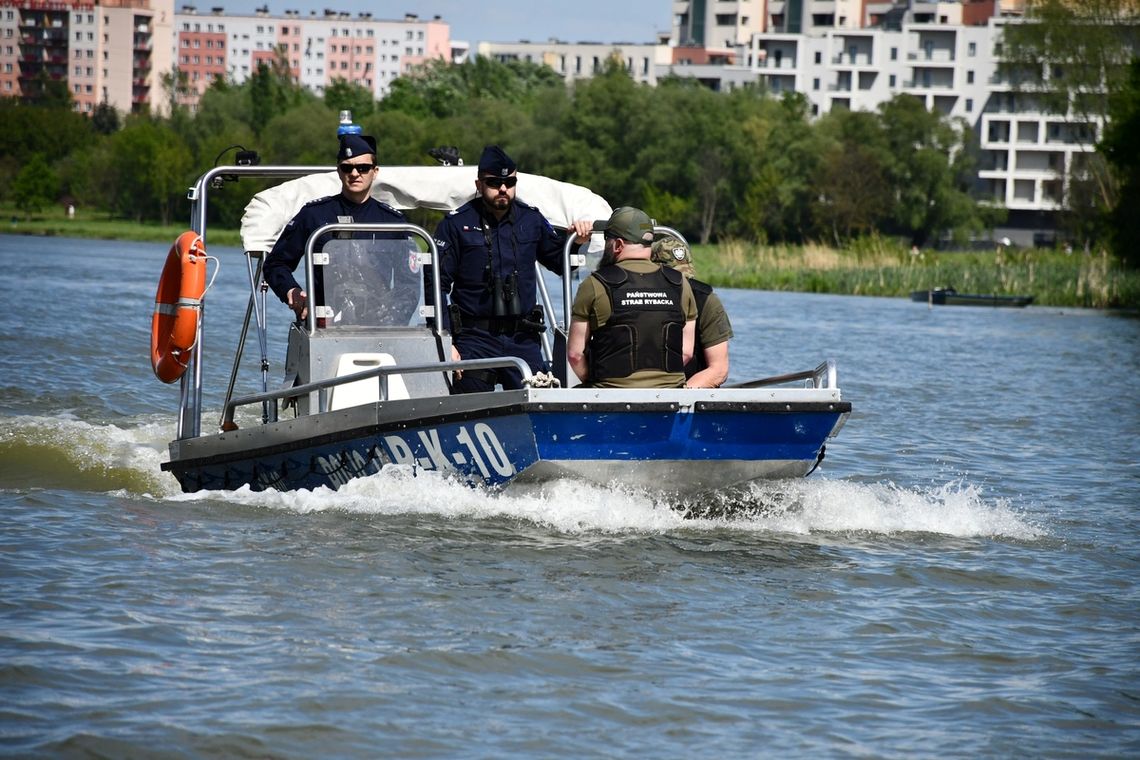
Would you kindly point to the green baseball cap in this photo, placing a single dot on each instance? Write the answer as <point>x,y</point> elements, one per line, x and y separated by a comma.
<point>631,225</point>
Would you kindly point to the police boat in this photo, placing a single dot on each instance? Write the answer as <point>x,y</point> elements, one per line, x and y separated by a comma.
<point>366,377</point>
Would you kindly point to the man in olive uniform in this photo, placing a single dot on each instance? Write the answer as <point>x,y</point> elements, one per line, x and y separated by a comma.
<point>633,322</point>
<point>709,365</point>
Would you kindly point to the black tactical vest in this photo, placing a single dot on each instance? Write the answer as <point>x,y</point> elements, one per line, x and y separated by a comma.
<point>646,327</point>
<point>701,292</point>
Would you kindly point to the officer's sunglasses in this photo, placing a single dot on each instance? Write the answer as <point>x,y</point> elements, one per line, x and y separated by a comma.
<point>496,182</point>
<point>350,168</point>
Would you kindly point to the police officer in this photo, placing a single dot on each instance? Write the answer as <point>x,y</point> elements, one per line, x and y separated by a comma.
<point>709,365</point>
<point>488,248</point>
<point>633,322</point>
<point>356,167</point>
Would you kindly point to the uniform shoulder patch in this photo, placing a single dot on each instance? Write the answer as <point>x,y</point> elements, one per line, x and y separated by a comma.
<point>318,201</point>
<point>391,209</point>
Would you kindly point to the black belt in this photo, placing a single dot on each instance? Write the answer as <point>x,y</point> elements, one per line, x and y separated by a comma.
<point>493,325</point>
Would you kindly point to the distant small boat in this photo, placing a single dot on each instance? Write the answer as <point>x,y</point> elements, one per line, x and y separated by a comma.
<point>951,297</point>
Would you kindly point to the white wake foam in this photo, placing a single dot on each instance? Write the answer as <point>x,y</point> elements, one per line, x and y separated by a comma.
<point>793,506</point>
<point>126,458</point>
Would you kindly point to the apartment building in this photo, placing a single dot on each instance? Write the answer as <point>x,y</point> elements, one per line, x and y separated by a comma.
<point>118,51</point>
<point>114,52</point>
<point>1028,156</point>
<point>317,49</point>
<point>582,60</point>
<point>947,67</point>
<point>723,25</point>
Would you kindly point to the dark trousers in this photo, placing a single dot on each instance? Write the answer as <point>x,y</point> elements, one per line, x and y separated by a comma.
<point>478,344</point>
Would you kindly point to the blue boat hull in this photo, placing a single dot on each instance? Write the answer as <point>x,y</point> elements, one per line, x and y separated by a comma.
<point>661,446</point>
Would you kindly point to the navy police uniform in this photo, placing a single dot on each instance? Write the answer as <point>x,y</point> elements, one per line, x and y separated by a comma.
<point>489,280</point>
<point>290,246</point>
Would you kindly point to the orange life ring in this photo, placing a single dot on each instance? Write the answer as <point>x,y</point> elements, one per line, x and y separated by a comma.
<point>177,305</point>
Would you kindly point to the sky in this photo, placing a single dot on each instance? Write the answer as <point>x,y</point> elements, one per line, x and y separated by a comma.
<point>502,21</point>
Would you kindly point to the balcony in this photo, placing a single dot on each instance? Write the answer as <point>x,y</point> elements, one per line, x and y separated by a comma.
<point>927,85</point>
<point>785,64</point>
<point>933,57</point>
<point>862,58</point>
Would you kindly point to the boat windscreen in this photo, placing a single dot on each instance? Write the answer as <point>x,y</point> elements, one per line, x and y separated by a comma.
<point>372,283</point>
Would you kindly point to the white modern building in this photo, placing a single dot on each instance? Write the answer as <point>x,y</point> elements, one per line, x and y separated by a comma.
<point>717,24</point>
<point>1030,156</point>
<point>579,60</point>
<point>947,67</point>
<point>1027,156</point>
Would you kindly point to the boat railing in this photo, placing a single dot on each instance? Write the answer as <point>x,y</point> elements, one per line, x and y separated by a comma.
<point>356,227</point>
<point>826,376</point>
<point>190,401</point>
<point>322,387</point>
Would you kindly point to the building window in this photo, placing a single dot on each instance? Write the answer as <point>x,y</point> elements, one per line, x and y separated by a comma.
<point>818,57</point>
<point>894,54</point>
<point>969,105</point>
<point>815,84</point>
<point>969,77</point>
<point>972,49</point>
<point>891,81</point>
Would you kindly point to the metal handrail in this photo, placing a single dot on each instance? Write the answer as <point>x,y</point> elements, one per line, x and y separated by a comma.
<point>190,390</point>
<point>377,372</point>
<point>826,376</point>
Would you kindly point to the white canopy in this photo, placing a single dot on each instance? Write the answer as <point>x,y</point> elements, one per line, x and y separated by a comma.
<point>437,187</point>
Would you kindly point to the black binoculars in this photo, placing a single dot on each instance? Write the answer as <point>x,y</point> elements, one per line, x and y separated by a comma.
<point>505,301</point>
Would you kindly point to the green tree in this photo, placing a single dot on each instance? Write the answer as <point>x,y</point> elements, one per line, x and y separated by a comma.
<point>601,136</point>
<point>343,95</point>
<point>854,194</point>
<point>53,131</point>
<point>149,168</point>
<point>930,171</point>
<point>273,91</point>
<point>780,189</point>
<point>441,89</point>
<point>176,88</point>
<point>685,161</point>
<point>47,92</point>
<point>105,119</point>
<point>1122,149</point>
<point>36,186</point>
<point>305,134</point>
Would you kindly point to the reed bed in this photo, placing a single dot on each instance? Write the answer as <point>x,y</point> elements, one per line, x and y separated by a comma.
<point>878,267</point>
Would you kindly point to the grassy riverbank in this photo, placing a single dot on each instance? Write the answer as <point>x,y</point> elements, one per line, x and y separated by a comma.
<point>91,224</point>
<point>873,266</point>
<point>877,267</point>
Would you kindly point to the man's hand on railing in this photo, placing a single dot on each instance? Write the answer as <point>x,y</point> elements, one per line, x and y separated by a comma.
<point>298,301</point>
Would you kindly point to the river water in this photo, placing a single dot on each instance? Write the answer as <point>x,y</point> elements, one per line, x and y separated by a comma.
<point>959,578</point>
